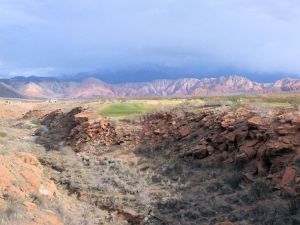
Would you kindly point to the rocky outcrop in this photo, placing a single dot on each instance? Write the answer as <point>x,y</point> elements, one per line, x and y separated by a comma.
<point>57,127</point>
<point>218,155</point>
<point>79,130</point>
<point>100,133</point>
<point>263,146</point>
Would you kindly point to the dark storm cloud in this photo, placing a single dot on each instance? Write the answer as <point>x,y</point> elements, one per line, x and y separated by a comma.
<point>52,37</point>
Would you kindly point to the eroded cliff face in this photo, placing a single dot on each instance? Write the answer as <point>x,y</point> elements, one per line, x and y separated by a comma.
<point>208,165</point>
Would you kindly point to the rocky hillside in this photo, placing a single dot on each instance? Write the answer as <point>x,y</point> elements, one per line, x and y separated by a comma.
<point>28,193</point>
<point>22,188</point>
<point>94,88</point>
<point>211,165</point>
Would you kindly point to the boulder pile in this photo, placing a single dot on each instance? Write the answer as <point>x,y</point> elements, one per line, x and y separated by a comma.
<point>79,130</point>
<point>101,133</point>
<point>264,146</point>
<point>57,126</point>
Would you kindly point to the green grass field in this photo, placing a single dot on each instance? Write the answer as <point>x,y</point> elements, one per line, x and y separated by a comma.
<point>125,110</point>
<point>268,101</point>
<point>130,109</point>
<point>135,108</point>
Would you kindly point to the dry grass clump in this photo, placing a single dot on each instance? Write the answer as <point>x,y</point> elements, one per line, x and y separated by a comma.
<point>12,211</point>
<point>233,180</point>
<point>260,189</point>
<point>294,206</point>
<point>273,212</point>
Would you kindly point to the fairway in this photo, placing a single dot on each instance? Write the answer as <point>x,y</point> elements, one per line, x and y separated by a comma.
<point>135,108</point>
<point>123,110</point>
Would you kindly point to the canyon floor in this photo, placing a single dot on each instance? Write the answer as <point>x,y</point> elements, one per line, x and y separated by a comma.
<point>210,161</point>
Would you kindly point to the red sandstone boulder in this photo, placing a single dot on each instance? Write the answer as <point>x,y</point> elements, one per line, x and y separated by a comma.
<point>228,123</point>
<point>289,176</point>
<point>275,148</point>
<point>256,121</point>
<point>184,131</point>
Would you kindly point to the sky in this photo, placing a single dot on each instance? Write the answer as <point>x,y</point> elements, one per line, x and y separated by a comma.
<point>215,37</point>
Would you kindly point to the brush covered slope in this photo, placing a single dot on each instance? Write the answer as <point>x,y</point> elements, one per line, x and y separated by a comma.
<point>202,165</point>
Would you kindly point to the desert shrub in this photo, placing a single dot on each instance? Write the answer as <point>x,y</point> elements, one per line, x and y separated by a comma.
<point>233,180</point>
<point>206,212</point>
<point>240,164</point>
<point>144,150</point>
<point>177,168</point>
<point>11,211</point>
<point>214,187</point>
<point>294,206</point>
<point>224,208</point>
<point>226,190</point>
<point>193,136</point>
<point>297,162</point>
<point>260,189</point>
<point>2,134</point>
<point>38,199</point>
<point>167,144</point>
<point>194,164</point>
<point>173,170</point>
<point>214,165</point>
<point>233,200</point>
<point>172,206</point>
<point>273,213</point>
<point>191,215</point>
<point>235,217</point>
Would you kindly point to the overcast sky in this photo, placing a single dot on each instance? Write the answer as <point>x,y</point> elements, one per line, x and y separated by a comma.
<point>48,37</point>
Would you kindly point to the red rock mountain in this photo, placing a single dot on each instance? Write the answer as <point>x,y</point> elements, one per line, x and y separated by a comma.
<point>94,88</point>
<point>287,84</point>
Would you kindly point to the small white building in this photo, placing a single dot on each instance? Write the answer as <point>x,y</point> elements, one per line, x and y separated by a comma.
<point>52,101</point>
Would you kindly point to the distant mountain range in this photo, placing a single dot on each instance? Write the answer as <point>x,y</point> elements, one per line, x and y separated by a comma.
<point>45,88</point>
